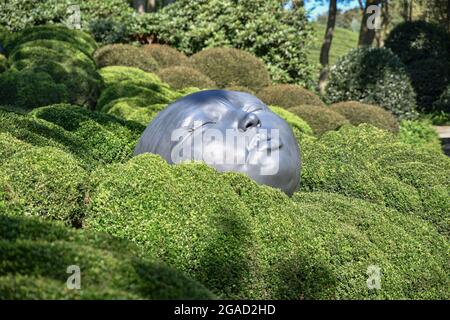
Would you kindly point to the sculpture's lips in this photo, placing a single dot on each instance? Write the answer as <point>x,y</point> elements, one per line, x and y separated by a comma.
<point>264,144</point>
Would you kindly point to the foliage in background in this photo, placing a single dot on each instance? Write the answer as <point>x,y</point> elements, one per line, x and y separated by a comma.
<point>263,27</point>
<point>425,49</point>
<point>420,133</point>
<point>373,76</point>
<point>124,55</point>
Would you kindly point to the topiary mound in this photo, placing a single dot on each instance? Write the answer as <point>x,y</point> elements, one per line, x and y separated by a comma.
<point>124,55</point>
<point>420,133</point>
<point>108,138</point>
<point>58,66</point>
<point>373,76</point>
<point>92,138</point>
<point>227,67</point>
<point>240,89</point>
<point>288,96</point>
<point>9,145</point>
<point>253,242</point>
<point>184,77</point>
<point>298,125</point>
<point>358,113</point>
<point>75,38</point>
<point>320,119</point>
<point>35,256</point>
<point>166,56</point>
<point>45,182</point>
<point>374,165</point>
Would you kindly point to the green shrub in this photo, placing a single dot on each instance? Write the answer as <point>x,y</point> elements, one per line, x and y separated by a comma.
<point>108,138</point>
<point>358,113</point>
<point>35,256</point>
<point>126,82</point>
<point>419,40</point>
<point>226,67</point>
<point>93,138</point>
<point>46,182</point>
<point>241,89</point>
<point>357,162</point>
<point>420,134</point>
<point>129,109</point>
<point>3,63</point>
<point>65,64</point>
<point>75,38</point>
<point>184,77</point>
<point>278,36</point>
<point>429,78</point>
<point>298,125</point>
<point>10,145</point>
<point>374,76</point>
<point>109,31</point>
<point>124,55</point>
<point>443,103</point>
<point>166,56</point>
<point>30,88</point>
<point>288,96</point>
<point>248,241</point>
<point>320,119</point>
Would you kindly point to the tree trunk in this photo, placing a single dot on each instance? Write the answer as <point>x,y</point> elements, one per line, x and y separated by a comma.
<point>366,34</point>
<point>325,50</point>
<point>151,6</point>
<point>139,6</point>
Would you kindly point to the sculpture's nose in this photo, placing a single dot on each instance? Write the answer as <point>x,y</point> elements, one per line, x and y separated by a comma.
<point>250,120</point>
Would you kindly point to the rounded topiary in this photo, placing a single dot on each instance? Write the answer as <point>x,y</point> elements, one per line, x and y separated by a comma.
<point>124,55</point>
<point>166,56</point>
<point>374,76</point>
<point>358,113</point>
<point>227,67</point>
<point>299,126</point>
<point>78,39</point>
<point>66,65</point>
<point>30,88</point>
<point>240,89</point>
<point>9,145</point>
<point>419,40</point>
<point>288,96</point>
<point>320,119</point>
<point>45,182</point>
<point>36,254</point>
<point>184,77</point>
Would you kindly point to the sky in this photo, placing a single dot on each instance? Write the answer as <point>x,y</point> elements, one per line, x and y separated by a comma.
<point>318,9</point>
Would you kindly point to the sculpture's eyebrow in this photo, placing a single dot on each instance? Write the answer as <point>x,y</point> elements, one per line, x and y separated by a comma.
<point>252,108</point>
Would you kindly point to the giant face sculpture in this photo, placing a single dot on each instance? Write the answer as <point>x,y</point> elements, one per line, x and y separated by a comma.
<point>230,131</point>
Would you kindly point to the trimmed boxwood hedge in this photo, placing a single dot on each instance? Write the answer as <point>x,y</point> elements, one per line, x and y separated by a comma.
<point>124,55</point>
<point>358,113</point>
<point>420,133</point>
<point>248,241</point>
<point>288,96</point>
<point>34,257</point>
<point>228,66</point>
<point>45,182</point>
<point>362,162</point>
<point>166,56</point>
<point>185,77</point>
<point>320,119</point>
<point>299,126</point>
<point>91,137</point>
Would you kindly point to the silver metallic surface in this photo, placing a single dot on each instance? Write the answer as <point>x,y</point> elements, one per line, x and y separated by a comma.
<point>224,112</point>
